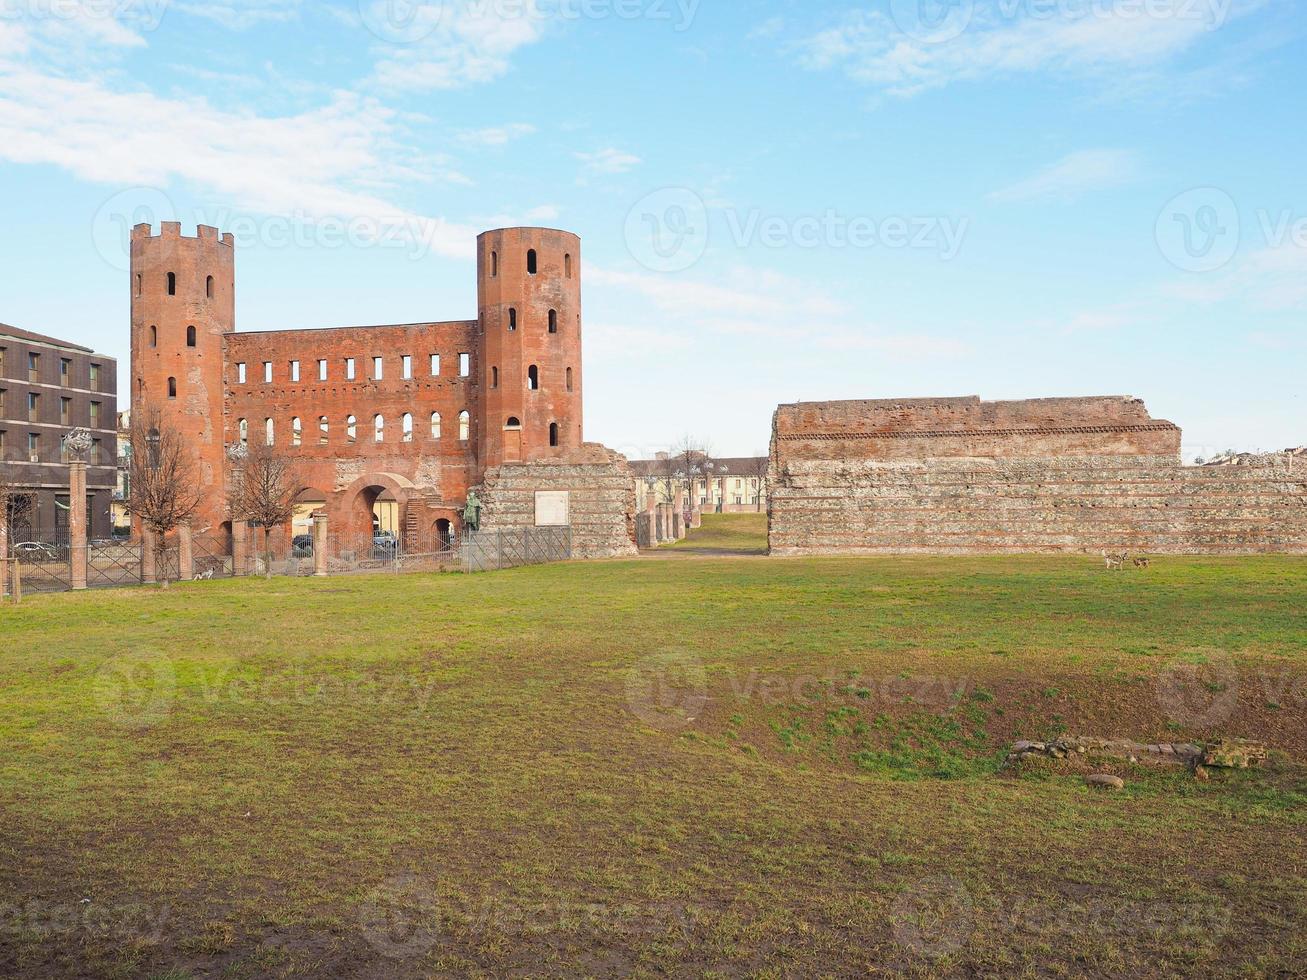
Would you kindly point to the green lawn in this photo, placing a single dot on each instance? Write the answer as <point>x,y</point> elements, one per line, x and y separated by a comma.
<point>725,534</point>
<point>724,767</point>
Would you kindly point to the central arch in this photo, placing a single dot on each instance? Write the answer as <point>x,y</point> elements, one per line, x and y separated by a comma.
<point>373,504</point>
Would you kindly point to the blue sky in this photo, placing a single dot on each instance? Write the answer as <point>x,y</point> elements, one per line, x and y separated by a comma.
<point>778,200</point>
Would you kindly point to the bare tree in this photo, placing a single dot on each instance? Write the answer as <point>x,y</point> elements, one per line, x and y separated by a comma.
<point>694,462</point>
<point>666,477</point>
<point>264,493</point>
<point>15,506</point>
<point>164,480</point>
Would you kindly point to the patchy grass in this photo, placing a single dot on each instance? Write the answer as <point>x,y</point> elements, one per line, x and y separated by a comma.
<point>725,535</point>
<point>725,767</point>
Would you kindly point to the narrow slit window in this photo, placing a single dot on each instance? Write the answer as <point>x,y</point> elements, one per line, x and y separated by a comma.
<point>494,264</point>
<point>269,432</point>
<point>533,378</point>
<point>553,321</point>
<point>172,284</point>
<point>512,319</point>
<point>569,379</point>
<point>494,377</point>
<point>553,433</point>
<point>208,287</point>
<point>567,266</point>
<point>532,264</point>
<point>138,284</point>
<point>190,336</point>
<point>154,338</point>
<point>172,387</point>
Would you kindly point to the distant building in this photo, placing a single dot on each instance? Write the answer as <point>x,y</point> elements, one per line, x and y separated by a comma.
<point>734,485</point>
<point>47,388</point>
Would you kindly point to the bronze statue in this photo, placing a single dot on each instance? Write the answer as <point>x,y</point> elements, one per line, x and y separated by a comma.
<point>472,512</point>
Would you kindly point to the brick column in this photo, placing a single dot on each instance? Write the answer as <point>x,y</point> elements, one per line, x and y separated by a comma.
<point>77,546</point>
<point>240,548</point>
<point>185,554</point>
<point>149,575</point>
<point>320,545</point>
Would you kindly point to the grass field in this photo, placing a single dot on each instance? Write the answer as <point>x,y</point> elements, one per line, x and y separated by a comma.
<point>722,767</point>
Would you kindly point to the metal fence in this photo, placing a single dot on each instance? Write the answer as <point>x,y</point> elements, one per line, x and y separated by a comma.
<point>43,560</point>
<point>488,551</point>
<point>111,564</point>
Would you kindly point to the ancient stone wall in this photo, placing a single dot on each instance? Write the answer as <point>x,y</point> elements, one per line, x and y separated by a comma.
<point>999,488</point>
<point>601,499</point>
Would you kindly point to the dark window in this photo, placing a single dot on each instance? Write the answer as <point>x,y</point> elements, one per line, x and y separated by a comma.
<point>569,379</point>
<point>512,319</point>
<point>172,387</point>
<point>154,336</point>
<point>513,422</point>
<point>208,287</point>
<point>190,336</point>
<point>531,264</point>
<point>553,321</point>
<point>138,284</point>
<point>172,284</point>
<point>553,433</point>
<point>567,266</point>
<point>533,378</point>
<point>494,377</point>
<point>494,264</point>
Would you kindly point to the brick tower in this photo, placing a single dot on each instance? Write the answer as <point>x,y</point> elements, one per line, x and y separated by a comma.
<point>529,313</point>
<point>183,301</point>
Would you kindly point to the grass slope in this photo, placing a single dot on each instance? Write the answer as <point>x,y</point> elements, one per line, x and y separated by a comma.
<point>722,767</point>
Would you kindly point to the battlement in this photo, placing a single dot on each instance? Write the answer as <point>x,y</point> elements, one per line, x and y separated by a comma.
<point>173,230</point>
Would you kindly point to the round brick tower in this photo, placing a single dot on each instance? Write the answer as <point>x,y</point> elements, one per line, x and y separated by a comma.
<point>183,301</point>
<point>529,308</point>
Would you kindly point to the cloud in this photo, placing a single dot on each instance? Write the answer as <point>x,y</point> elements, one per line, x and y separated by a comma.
<point>239,15</point>
<point>1073,175</point>
<point>609,161</point>
<point>994,39</point>
<point>495,135</point>
<point>1271,279</point>
<point>449,45</point>
<point>325,162</point>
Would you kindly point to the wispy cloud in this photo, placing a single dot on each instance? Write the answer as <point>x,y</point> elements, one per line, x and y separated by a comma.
<point>239,15</point>
<point>991,38</point>
<point>608,161</point>
<point>1074,175</point>
<point>495,135</point>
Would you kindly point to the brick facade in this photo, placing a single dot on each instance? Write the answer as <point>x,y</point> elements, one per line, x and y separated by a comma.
<point>417,413</point>
<point>962,476</point>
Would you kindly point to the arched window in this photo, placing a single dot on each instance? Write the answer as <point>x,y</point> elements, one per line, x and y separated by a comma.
<point>243,427</point>
<point>553,433</point>
<point>172,284</point>
<point>533,378</point>
<point>569,379</point>
<point>494,377</point>
<point>208,287</point>
<point>269,432</point>
<point>435,425</point>
<point>351,429</point>
<point>324,430</point>
<point>172,387</point>
<point>512,319</point>
<point>513,422</point>
<point>531,263</point>
<point>154,336</point>
<point>567,266</point>
<point>138,284</point>
<point>379,428</point>
<point>494,264</point>
<point>407,425</point>
<point>553,321</point>
<point>296,431</point>
<point>464,426</point>
<point>190,336</point>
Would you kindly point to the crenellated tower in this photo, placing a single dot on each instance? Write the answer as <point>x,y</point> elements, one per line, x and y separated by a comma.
<point>529,313</point>
<point>183,302</point>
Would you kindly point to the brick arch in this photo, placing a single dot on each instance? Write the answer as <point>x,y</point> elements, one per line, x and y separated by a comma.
<point>353,510</point>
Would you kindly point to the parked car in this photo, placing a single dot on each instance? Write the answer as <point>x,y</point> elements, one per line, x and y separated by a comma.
<point>38,551</point>
<point>301,546</point>
<point>384,544</point>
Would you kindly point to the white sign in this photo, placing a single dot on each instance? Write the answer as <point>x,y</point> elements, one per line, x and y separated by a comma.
<point>553,508</point>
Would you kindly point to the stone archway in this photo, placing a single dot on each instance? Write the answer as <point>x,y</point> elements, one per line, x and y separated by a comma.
<point>354,517</point>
